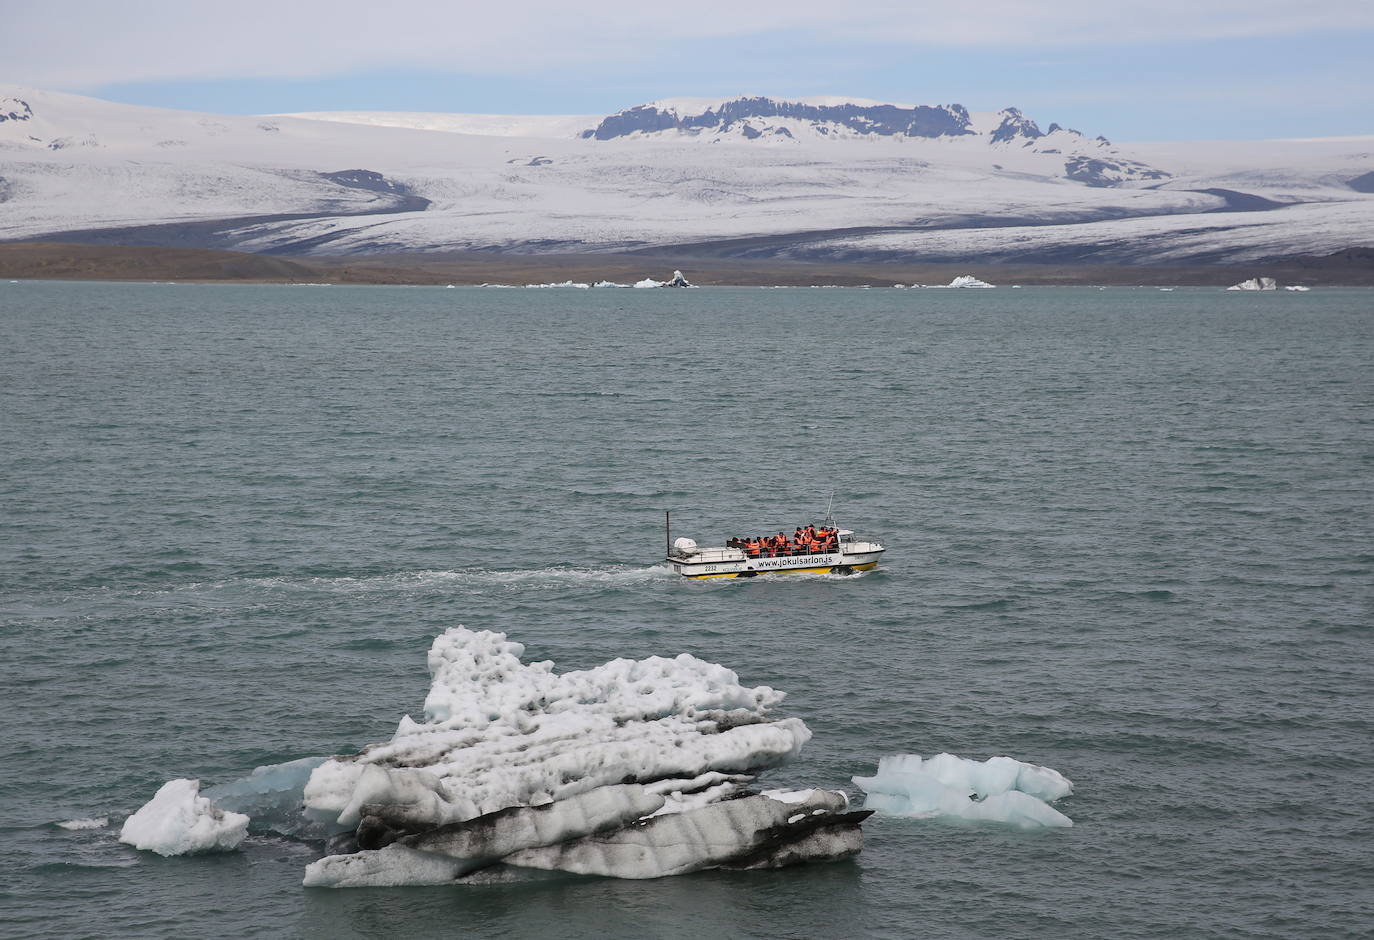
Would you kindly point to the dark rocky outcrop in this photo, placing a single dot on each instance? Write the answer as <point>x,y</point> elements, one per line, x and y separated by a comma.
<point>885,120</point>
<point>14,109</point>
<point>1016,125</point>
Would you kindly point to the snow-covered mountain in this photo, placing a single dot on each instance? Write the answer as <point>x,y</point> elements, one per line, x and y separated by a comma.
<point>804,178</point>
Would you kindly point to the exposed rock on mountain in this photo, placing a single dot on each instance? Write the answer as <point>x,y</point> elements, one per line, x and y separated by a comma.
<point>1015,124</point>
<point>14,109</point>
<point>1096,171</point>
<point>885,120</point>
<point>1093,162</point>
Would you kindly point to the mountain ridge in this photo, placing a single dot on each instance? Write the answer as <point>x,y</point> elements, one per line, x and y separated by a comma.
<point>882,182</point>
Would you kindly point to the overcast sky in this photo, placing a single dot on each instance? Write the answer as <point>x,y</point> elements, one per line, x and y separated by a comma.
<point>1167,69</point>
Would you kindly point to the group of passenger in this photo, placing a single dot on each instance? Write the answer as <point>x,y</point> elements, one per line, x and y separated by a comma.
<point>807,540</point>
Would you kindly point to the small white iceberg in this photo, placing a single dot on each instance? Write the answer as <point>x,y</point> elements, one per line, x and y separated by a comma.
<point>999,790</point>
<point>179,821</point>
<point>1298,287</point>
<point>963,280</point>
<point>677,280</point>
<point>1256,283</point>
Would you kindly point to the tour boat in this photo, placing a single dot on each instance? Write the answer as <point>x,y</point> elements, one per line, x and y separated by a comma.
<point>847,555</point>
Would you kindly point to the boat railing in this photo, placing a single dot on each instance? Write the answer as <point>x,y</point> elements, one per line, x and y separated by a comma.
<point>711,555</point>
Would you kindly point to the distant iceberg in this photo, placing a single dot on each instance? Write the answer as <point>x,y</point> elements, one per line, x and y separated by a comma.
<point>1256,283</point>
<point>1298,287</point>
<point>998,790</point>
<point>677,280</point>
<point>963,280</point>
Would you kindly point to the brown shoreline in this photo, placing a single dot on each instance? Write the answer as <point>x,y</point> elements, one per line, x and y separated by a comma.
<point>60,261</point>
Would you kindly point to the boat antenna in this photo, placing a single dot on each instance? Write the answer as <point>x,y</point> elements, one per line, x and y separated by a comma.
<point>668,530</point>
<point>829,518</point>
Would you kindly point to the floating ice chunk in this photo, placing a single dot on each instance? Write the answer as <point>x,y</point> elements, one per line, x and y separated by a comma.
<point>500,732</point>
<point>648,282</point>
<point>91,823</point>
<point>1300,288</point>
<point>516,764</point>
<point>178,820</point>
<point>999,789</point>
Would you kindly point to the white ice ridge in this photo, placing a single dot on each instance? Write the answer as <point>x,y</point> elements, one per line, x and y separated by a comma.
<point>1000,789</point>
<point>179,821</point>
<point>513,758</point>
<point>500,732</point>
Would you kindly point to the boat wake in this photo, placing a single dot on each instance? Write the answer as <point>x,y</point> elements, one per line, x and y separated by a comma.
<point>236,592</point>
<point>477,579</point>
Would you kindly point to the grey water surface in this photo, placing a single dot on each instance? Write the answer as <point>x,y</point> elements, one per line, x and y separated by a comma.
<point>1130,538</point>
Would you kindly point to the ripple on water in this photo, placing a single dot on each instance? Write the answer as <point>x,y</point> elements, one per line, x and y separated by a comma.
<point>1114,551</point>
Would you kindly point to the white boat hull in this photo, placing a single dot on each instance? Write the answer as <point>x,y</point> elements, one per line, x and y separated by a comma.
<point>715,563</point>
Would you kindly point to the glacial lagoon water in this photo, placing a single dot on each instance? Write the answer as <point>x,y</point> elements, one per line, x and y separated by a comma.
<point>1130,533</point>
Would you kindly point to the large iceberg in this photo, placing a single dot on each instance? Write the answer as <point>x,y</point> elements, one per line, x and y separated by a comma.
<point>179,821</point>
<point>998,790</point>
<point>634,769</point>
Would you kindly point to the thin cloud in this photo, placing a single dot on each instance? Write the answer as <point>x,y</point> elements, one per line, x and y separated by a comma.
<point>84,45</point>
